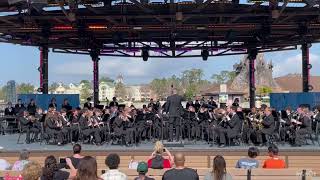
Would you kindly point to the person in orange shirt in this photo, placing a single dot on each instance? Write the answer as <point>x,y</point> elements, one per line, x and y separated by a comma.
<point>274,162</point>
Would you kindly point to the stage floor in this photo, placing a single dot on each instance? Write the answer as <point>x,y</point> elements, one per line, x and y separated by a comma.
<point>9,144</point>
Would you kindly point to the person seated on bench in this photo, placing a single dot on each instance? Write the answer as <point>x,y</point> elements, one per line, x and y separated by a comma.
<point>113,161</point>
<point>180,172</point>
<point>22,162</point>
<point>4,165</point>
<point>32,171</point>
<point>274,162</point>
<point>142,169</point>
<point>219,171</point>
<point>157,160</point>
<point>250,161</point>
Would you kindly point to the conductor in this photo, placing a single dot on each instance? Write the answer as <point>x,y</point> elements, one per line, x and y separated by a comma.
<point>174,110</point>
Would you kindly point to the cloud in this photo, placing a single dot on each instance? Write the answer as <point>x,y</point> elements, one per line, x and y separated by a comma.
<point>293,64</point>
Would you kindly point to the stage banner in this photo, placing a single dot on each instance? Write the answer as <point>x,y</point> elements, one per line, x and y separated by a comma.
<point>280,101</point>
<point>43,100</point>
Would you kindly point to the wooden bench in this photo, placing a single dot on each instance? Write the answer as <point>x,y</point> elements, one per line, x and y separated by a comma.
<point>308,162</point>
<point>238,174</point>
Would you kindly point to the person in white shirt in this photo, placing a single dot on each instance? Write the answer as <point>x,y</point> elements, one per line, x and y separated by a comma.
<point>113,161</point>
<point>4,165</point>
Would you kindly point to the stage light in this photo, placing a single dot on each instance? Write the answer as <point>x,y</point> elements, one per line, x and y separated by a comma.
<point>205,54</point>
<point>145,53</point>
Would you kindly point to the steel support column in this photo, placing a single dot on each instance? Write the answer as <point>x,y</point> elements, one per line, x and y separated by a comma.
<point>305,68</point>
<point>44,69</point>
<point>95,59</point>
<point>252,88</point>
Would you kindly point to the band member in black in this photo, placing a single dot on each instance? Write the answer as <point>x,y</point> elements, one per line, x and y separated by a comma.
<point>174,109</point>
<point>9,111</point>
<point>285,124</point>
<point>19,107</point>
<point>266,126</point>
<point>304,126</point>
<point>88,127</point>
<point>65,105</point>
<point>190,121</point>
<point>53,103</point>
<point>114,102</point>
<point>202,121</point>
<point>88,104</point>
<point>66,124</point>
<point>30,124</point>
<point>232,126</point>
<point>53,126</point>
<point>213,105</point>
<point>32,108</point>
<point>129,128</point>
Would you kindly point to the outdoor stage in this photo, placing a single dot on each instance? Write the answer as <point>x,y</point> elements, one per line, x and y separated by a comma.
<point>10,146</point>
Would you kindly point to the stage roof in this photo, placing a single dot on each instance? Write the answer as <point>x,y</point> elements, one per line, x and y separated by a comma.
<point>165,29</point>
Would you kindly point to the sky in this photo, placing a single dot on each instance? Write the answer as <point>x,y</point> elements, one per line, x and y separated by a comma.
<point>20,63</point>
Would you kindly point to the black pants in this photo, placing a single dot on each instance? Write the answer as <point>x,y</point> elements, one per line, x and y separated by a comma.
<point>30,130</point>
<point>55,132</point>
<point>300,135</point>
<point>224,133</point>
<point>262,133</point>
<point>94,132</point>
<point>174,122</point>
<point>129,135</point>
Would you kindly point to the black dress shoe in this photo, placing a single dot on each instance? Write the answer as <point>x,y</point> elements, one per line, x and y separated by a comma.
<point>211,145</point>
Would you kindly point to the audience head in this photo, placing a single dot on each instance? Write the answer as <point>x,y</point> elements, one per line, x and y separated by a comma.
<point>179,159</point>
<point>253,152</point>
<point>24,154</point>
<point>50,166</point>
<point>273,150</point>
<point>31,171</point>
<point>113,161</point>
<point>87,169</point>
<point>77,149</point>
<point>142,168</point>
<point>158,147</point>
<point>114,99</point>
<point>219,167</point>
<point>88,99</point>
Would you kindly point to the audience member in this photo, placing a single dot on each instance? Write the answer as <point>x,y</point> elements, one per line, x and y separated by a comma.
<point>180,172</point>
<point>31,171</point>
<point>157,159</point>
<point>4,165</point>
<point>274,162</point>
<point>51,170</point>
<point>23,160</point>
<point>219,171</point>
<point>75,159</point>
<point>87,169</point>
<point>250,161</point>
<point>113,161</point>
<point>142,169</point>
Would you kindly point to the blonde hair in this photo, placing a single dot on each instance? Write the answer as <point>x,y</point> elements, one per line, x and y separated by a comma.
<point>31,171</point>
<point>158,147</point>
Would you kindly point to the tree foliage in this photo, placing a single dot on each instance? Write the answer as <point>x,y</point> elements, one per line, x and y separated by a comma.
<point>53,87</point>
<point>86,90</point>
<point>188,84</point>
<point>120,91</point>
<point>106,79</point>
<point>223,77</point>
<point>25,88</point>
<point>264,90</point>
